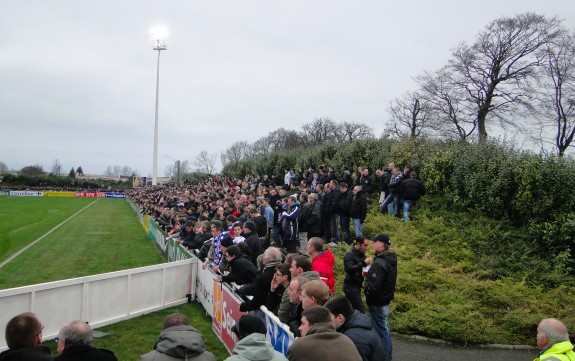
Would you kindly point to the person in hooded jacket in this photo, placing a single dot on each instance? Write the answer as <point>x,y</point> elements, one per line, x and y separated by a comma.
<point>291,217</point>
<point>357,327</point>
<point>179,341</point>
<point>253,345</point>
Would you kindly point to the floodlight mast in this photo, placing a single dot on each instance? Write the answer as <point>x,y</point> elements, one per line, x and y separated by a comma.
<point>158,44</point>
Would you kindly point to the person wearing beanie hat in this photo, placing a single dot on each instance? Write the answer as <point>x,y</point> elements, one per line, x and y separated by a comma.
<point>253,241</point>
<point>253,345</point>
<point>380,287</point>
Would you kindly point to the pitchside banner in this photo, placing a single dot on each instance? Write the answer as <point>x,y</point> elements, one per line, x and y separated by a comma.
<point>99,195</point>
<point>26,193</point>
<point>59,194</point>
<point>279,333</point>
<point>226,313</point>
<point>4,192</point>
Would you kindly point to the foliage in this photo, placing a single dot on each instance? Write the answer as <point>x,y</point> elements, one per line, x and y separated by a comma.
<point>23,181</point>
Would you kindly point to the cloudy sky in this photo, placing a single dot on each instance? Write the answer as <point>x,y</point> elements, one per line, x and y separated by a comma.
<point>77,78</point>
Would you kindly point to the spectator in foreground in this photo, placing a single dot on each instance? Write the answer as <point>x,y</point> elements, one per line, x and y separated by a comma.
<point>320,340</point>
<point>23,336</point>
<point>357,327</point>
<point>179,341</point>
<point>252,345</point>
<point>353,262</point>
<point>75,344</point>
<point>553,341</point>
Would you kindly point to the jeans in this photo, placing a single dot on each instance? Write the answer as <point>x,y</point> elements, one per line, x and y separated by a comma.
<point>334,218</point>
<point>345,232</point>
<point>276,234</point>
<point>390,198</point>
<point>353,295</point>
<point>379,316</point>
<point>406,206</point>
<point>358,227</point>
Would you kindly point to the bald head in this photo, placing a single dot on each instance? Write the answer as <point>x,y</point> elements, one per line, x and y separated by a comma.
<point>551,331</point>
<point>24,330</point>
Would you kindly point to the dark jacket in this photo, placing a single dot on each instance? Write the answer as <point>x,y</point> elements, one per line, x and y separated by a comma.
<point>384,181</point>
<point>358,329</point>
<point>242,271</point>
<point>291,218</point>
<point>263,284</point>
<point>411,189</point>
<point>255,246</point>
<point>198,240</point>
<point>395,183</point>
<point>344,203</point>
<point>358,209</point>
<point>353,263</point>
<point>85,353</point>
<point>36,353</point>
<point>313,222</point>
<point>381,278</point>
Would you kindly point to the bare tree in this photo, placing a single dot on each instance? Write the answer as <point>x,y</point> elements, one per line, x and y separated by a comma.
<point>117,171</point>
<point>285,139</point>
<point>109,172</point>
<point>498,69</point>
<point>556,108</point>
<point>237,151</point>
<point>321,130</point>
<point>56,168</point>
<point>3,168</point>
<point>32,170</point>
<point>449,114</point>
<point>350,131</point>
<point>206,162</point>
<point>126,171</point>
<point>408,116</point>
<point>262,146</point>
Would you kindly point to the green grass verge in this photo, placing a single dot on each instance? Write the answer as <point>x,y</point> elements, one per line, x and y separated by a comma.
<point>105,237</point>
<point>133,338</point>
<point>468,279</point>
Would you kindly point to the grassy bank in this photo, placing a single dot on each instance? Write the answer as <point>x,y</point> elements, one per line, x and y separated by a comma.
<point>468,279</point>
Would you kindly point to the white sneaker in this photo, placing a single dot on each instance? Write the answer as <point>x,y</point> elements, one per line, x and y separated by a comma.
<point>332,244</point>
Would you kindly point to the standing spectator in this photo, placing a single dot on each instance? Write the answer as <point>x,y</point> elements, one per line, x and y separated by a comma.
<point>272,257</point>
<point>384,178</point>
<point>410,191</point>
<point>380,287</point>
<point>553,341</point>
<point>321,261</point>
<point>364,180</point>
<point>179,341</point>
<point>357,327</point>
<point>334,211</point>
<point>242,270</point>
<point>287,178</point>
<point>253,241</point>
<point>75,344</point>
<point>354,261</point>
<point>358,210</point>
<point>320,340</point>
<point>343,206</point>
<point>24,338</point>
<point>269,216</point>
<point>393,197</point>
<point>252,344</point>
<point>291,217</point>
<point>314,227</point>
<point>326,206</point>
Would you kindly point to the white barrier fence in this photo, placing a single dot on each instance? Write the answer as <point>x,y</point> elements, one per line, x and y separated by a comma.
<point>101,299</point>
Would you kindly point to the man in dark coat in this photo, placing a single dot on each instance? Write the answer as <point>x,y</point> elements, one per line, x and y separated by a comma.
<point>410,191</point>
<point>380,288</point>
<point>354,261</point>
<point>75,344</point>
<point>253,241</point>
<point>343,207</point>
<point>271,258</point>
<point>23,337</point>
<point>358,210</point>
<point>357,327</point>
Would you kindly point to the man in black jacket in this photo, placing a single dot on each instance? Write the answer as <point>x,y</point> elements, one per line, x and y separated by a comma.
<point>354,261</point>
<point>358,210</point>
<point>271,258</point>
<point>253,241</point>
<point>380,288</point>
<point>357,327</point>
<point>410,191</point>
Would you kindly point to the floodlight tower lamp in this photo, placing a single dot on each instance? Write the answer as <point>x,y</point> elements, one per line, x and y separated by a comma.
<point>158,35</point>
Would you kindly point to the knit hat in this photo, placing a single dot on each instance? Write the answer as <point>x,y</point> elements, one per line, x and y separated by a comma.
<point>251,225</point>
<point>227,241</point>
<point>382,238</point>
<point>248,324</point>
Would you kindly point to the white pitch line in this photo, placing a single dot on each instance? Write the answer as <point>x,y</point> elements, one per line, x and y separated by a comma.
<point>45,234</point>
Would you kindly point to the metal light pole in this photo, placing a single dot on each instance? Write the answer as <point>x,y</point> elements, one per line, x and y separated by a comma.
<point>158,34</point>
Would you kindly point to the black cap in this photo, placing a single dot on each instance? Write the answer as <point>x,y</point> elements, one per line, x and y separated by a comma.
<point>248,324</point>
<point>227,240</point>
<point>382,238</point>
<point>250,224</point>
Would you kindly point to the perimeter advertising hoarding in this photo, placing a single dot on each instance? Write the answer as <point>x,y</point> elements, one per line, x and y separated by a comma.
<point>4,192</point>
<point>59,194</point>
<point>26,193</point>
<point>226,313</point>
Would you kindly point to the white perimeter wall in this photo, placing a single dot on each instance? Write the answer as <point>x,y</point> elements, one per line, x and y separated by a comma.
<point>101,299</point>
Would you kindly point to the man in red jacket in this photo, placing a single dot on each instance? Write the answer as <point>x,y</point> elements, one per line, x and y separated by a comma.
<point>322,261</point>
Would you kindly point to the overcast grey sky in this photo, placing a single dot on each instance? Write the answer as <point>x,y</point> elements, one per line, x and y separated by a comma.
<point>77,78</point>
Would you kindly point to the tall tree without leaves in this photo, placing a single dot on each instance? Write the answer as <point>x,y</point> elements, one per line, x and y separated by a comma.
<point>206,162</point>
<point>409,117</point>
<point>497,71</point>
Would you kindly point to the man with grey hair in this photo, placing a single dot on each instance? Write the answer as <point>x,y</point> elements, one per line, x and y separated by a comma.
<point>553,341</point>
<point>313,223</point>
<point>75,344</point>
<point>271,258</point>
<point>179,341</point>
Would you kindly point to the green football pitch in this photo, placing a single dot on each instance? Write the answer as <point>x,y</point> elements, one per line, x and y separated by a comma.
<point>69,237</point>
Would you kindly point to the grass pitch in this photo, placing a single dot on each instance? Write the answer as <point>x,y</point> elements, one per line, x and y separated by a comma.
<point>104,237</point>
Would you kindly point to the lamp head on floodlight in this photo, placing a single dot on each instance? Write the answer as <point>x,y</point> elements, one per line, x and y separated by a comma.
<point>158,35</point>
